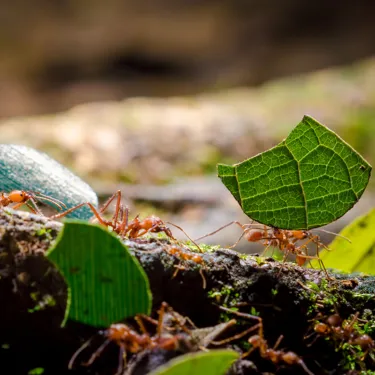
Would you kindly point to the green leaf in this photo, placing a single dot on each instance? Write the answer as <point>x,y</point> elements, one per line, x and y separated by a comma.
<point>23,168</point>
<point>308,180</point>
<point>105,282</point>
<point>357,256</point>
<point>214,362</point>
<point>36,371</point>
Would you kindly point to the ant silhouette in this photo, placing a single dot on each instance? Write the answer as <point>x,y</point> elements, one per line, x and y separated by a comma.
<point>22,197</point>
<point>130,341</point>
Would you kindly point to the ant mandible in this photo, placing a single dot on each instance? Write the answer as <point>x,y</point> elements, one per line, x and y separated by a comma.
<point>22,197</point>
<point>130,341</point>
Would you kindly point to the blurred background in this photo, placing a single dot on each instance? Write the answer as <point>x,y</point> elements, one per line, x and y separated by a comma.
<point>148,96</point>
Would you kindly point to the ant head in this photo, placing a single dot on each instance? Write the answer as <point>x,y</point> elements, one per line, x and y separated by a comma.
<point>254,235</point>
<point>334,320</point>
<point>118,332</point>
<point>291,358</point>
<point>321,328</point>
<point>18,196</point>
<point>255,341</point>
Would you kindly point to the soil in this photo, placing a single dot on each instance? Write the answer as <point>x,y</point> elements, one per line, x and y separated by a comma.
<point>289,299</point>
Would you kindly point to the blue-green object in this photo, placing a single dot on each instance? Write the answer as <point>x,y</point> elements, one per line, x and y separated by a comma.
<point>24,168</point>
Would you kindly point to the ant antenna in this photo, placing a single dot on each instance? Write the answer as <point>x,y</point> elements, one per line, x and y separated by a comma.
<point>335,234</point>
<point>243,226</point>
<point>186,235</point>
<point>41,196</point>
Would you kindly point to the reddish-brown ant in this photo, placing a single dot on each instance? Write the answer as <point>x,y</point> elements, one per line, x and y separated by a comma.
<point>287,241</point>
<point>130,341</point>
<point>22,197</point>
<point>120,223</point>
<point>343,332</point>
<point>186,256</point>
<point>259,342</point>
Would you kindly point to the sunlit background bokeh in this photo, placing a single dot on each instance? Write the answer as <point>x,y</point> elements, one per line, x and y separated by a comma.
<point>148,96</point>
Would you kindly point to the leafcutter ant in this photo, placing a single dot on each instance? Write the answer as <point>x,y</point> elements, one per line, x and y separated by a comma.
<point>131,341</point>
<point>22,197</point>
<point>343,331</point>
<point>120,224</point>
<point>186,256</point>
<point>287,241</point>
<point>259,342</point>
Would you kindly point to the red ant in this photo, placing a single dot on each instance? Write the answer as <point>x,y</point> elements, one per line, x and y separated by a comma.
<point>22,197</point>
<point>343,331</point>
<point>283,239</point>
<point>184,256</point>
<point>259,342</point>
<point>130,341</point>
<point>120,220</point>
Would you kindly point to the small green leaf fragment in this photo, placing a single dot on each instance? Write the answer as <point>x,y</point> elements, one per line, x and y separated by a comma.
<point>36,371</point>
<point>310,179</point>
<point>214,362</point>
<point>358,255</point>
<point>227,174</point>
<point>105,282</point>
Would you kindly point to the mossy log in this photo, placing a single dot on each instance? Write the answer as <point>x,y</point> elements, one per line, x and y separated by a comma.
<point>287,297</point>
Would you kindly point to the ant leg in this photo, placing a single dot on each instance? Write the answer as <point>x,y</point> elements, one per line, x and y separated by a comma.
<point>124,222</point>
<point>278,342</point>
<point>161,312</point>
<point>236,337</point>
<point>302,364</point>
<point>204,281</point>
<point>138,318</point>
<point>97,353</point>
<point>93,209</point>
<point>242,315</point>
<point>193,241</point>
<point>33,210</point>
<point>121,360</point>
<point>242,226</point>
<point>78,352</point>
<point>110,200</point>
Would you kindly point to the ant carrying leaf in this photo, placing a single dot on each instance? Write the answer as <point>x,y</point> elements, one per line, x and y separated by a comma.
<point>287,241</point>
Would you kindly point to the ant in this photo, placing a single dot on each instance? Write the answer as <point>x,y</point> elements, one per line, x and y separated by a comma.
<point>259,342</point>
<point>22,197</point>
<point>185,256</point>
<point>120,220</point>
<point>283,239</point>
<point>120,223</point>
<point>129,340</point>
<point>343,331</point>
